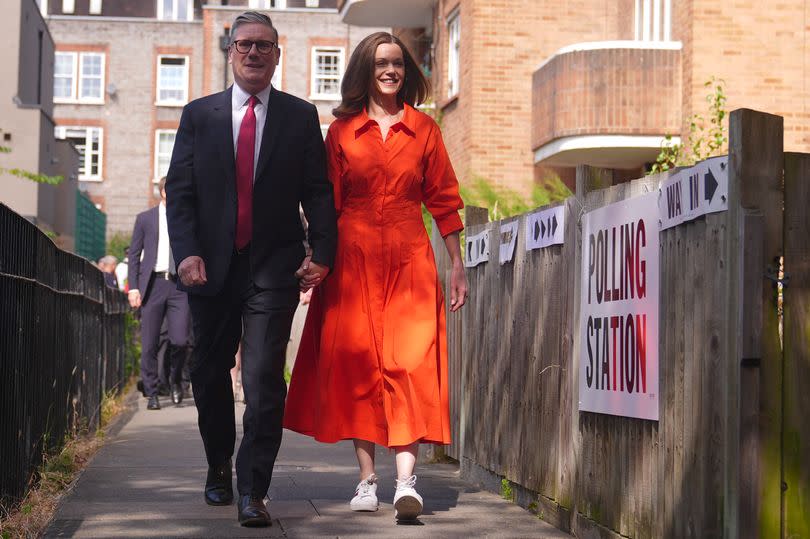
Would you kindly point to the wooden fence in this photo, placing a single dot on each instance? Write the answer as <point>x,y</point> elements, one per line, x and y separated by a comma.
<point>730,454</point>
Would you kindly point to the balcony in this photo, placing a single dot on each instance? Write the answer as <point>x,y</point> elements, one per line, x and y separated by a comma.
<point>394,13</point>
<point>606,104</point>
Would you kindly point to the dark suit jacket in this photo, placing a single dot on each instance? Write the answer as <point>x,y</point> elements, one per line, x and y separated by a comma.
<point>144,238</point>
<point>201,192</point>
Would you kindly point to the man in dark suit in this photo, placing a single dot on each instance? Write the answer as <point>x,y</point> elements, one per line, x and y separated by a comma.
<point>153,289</point>
<point>243,161</point>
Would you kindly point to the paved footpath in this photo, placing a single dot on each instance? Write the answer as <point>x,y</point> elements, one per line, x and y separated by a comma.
<point>147,482</point>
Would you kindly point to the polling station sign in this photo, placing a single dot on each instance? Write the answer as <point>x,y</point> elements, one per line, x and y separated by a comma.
<point>618,364</point>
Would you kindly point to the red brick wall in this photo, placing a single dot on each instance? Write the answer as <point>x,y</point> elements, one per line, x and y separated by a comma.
<point>761,51</point>
<point>502,44</point>
<point>630,91</point>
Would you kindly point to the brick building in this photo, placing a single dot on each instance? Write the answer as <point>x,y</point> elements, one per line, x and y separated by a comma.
<point>125,68</point>
<point>523,86</point>
<point>27,127</point>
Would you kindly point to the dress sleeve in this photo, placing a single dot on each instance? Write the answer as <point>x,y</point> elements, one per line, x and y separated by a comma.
<point>334,162</point>
<point>440,186</point>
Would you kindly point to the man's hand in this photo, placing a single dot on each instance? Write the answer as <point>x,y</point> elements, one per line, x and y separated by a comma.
<point>310,274</point>
<point>134,297</point>
<point>192,271</point>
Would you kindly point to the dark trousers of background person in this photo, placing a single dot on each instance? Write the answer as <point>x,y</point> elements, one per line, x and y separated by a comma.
<point>262,318</point>
<point>165,373</point>
<point>164,300</point>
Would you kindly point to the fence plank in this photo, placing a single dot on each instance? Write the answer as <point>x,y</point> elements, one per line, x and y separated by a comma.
<point>796,431</point>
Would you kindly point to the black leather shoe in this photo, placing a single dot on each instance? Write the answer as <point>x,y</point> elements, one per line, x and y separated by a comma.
<point>177,394</point>
<point>219,485</point>
<point>154,403</point>
<point>252,512</point>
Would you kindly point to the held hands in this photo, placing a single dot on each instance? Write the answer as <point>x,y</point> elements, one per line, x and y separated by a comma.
<point>310,274</point>
<point>192,271</point>
<point>458,287</point>
<point>134,297</point>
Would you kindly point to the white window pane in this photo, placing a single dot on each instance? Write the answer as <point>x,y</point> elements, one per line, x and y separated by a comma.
<point>63,64</point>
<point>91,64</point>
<point>68,6</point>
<point>95,7</point>
<point>182,10</point>
<point>168,9</point>
<point>172,79</point>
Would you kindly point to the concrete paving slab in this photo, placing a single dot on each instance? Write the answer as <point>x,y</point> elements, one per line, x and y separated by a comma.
<point>147,481</point>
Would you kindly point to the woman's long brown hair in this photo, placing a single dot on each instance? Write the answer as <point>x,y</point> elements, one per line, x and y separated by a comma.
<point>359,77</point>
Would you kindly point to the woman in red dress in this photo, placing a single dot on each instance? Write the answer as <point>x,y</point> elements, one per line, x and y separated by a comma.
<point>372,364</point>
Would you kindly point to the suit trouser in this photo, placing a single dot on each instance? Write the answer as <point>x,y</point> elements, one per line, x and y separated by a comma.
<point>262,318</point>
<point>163,300</point>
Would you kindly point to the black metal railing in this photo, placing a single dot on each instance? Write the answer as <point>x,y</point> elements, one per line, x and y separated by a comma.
<point>62,347</point>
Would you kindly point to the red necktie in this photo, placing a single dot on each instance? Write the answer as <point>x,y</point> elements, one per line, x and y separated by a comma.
<point>245,148</point>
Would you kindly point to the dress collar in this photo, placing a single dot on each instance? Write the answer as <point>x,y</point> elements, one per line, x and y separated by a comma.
<point>360,122</point>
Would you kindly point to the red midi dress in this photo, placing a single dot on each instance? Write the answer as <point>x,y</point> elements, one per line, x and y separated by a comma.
<point>372,363</point>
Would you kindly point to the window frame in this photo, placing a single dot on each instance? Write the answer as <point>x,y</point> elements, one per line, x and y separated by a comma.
<point>161,4</point>
<point>453,79</point>
<point>76,78</point>
<point>313,82</point>
<point>155,165</point>
<point>79,82</point>
<point>186,79</point>
<point>652,21</point>
<point>259,4</point>
<point>73,77</point>
<point>60,132</point>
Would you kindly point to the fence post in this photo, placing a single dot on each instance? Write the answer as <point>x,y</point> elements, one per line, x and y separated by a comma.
<point>753,410</point>
<point>796,431</point>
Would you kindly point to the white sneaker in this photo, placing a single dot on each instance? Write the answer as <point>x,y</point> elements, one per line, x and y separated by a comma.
<point>365,496</point>
<point>407,502</point>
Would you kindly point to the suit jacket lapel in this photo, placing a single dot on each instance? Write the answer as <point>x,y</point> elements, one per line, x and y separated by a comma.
<point>223,127</point>
<point>272,126</point>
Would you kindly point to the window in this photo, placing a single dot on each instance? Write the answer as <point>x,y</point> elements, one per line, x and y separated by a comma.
<point>279,72</point>
<point>78,77</point>
<point>175,10</point>
<point>324,130</point>
<point>164,144</point>
<point>68,6</point>
<point>653,20</point>
<point>89,142</point>
<point>172,80</point>
<point>327,72</point>
<point>453,43</point>
<point>95,7</point>
<point>268,4</point>
<point>43,7</point>
<point>312,3</point>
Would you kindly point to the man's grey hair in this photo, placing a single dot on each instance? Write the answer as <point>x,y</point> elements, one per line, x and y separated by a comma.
<point>107,260</point>
<point>251,17</point>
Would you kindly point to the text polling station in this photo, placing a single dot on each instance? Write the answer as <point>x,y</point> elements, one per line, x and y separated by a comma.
<point>618,363</point>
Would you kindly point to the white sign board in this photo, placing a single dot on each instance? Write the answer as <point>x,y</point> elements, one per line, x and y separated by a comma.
<point>509,232</point>
<point>545,228</point>
<point>477,249</point>
<point>618,363</point>
<point>693,192</point>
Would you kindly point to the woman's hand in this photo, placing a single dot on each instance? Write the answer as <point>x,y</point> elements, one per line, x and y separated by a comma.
<point>458,287</point>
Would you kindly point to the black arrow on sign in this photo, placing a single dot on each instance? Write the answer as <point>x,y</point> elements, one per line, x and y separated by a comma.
<point>483,245</point>
<point>554,226</point>
<point>536,231</point>
<point>543,228</point>
<point>709,186</point>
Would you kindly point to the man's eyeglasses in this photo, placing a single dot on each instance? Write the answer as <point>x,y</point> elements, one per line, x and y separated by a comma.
<point>243,46</point>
